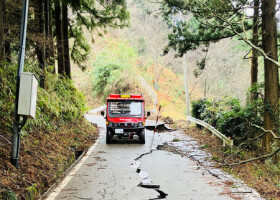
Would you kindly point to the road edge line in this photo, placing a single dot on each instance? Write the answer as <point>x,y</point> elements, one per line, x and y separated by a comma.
<point>57,187</point>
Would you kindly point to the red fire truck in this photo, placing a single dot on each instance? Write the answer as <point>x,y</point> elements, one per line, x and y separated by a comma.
<point>125,117</point>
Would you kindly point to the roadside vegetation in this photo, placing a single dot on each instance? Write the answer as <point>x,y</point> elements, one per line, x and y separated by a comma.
<point>50,142</point>
<point>261,175</point>
<point>113,70</point>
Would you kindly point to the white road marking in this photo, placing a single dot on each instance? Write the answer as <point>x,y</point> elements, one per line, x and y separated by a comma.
<point>72,172</point>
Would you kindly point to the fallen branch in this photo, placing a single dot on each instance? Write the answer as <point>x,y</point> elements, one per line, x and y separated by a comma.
<point>250,142</point>
<point>5,139</point>
<point>266,131</point>
<point>253,159</point>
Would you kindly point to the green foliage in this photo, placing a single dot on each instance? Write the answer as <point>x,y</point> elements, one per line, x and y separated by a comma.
<point>7,92</point>
<point>32,191</point>
<point>80,49</point>
<point>176,140</point>
<point>142,46</point>
<point>60,102</point>
<point>237,124</point>
<point>91,14</point>
<point>208,22</point>
<point>113,70</point>
<point>229,117</point>
<point>9,195</point>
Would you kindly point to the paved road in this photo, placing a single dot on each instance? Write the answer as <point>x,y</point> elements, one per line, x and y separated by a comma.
<point>116,171</point>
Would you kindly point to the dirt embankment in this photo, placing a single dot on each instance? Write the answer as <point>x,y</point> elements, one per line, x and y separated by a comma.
<point>44,156</point>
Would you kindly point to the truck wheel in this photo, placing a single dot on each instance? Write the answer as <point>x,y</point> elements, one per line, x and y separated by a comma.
<point>142,137</point>
<point>109,137</point>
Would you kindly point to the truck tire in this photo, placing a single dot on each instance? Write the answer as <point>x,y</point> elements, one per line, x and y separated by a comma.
<point>142,137</point>
<point>109,137</point>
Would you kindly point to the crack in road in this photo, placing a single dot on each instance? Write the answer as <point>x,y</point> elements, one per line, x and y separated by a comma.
<point>203,159</point>
<point>146,183</point>
<point>107,188</point>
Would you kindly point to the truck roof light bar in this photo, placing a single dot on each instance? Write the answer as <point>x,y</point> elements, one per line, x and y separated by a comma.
<point>125,96</point>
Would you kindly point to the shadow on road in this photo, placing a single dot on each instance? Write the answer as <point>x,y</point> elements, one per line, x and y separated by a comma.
<point>125,141</point>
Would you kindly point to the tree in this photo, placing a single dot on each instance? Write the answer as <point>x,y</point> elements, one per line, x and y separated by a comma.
<point>2,35</point>
<point>212,21</point>
<point>89,14</point>
<point>44,27</point>
<point>255,41</point>
<point>40,39</point>
<point>216,19</point>
<point>65,40</point>
<point>7,42</point>
<point>49,51</point>
<point>93,15</point>
<point>209,21</point>
<point>59,39</point>
<point>269,43</point>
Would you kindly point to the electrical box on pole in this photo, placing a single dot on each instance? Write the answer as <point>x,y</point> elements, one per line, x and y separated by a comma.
<point>27,95</point>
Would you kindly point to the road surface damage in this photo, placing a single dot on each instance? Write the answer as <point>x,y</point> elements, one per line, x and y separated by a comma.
<point>165,172</point>
<point>146,182</point>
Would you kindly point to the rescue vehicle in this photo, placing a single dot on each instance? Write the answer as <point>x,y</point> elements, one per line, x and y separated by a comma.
<point>125,117</point>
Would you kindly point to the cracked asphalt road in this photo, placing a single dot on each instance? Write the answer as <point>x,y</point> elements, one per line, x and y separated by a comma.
<point>109,172</point>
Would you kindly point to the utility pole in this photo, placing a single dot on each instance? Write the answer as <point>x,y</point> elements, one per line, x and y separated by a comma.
<point>17,123</point>
<point>188,104</point>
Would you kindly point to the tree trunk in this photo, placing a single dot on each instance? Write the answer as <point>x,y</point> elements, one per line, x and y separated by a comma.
<point>66,40</point>
<point>47,30</point>
<point>254,63</point>
<point>59,44</point>
<point>2,35</point>
<point>51,43</point>
<point>271,76</point>
<point>8,51</point>
<point>40,40</point>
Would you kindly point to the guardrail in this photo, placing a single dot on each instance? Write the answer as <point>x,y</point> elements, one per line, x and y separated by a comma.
<point>214,131</point>
<point>147,87</point>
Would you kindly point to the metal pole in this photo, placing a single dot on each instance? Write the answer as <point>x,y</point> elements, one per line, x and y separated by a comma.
<point>17,124</point>
<point>186,79</point>
<point>155,129</point>
<point>186,86</point>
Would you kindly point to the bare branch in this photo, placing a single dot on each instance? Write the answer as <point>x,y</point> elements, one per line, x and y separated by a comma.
<point>256,158</point>
<point>5,139</point>
<point>266,131</point>
<point>241,36</point>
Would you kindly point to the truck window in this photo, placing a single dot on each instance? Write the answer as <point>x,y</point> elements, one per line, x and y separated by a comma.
<point>125,108</point>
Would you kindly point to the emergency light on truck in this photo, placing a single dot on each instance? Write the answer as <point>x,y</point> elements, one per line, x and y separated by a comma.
<point>126,96</point>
